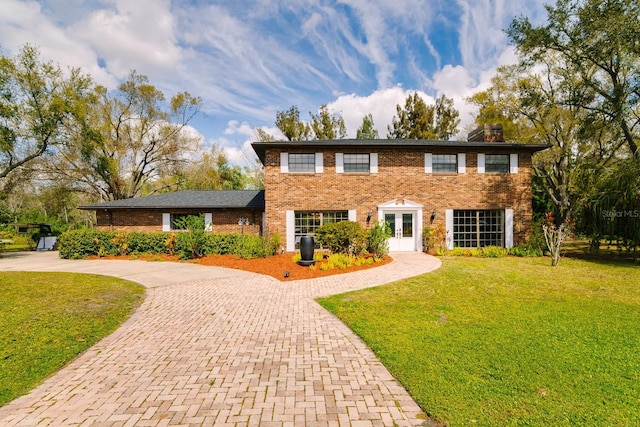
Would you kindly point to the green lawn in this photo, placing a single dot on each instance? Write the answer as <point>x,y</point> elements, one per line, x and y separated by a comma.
<point>510,341</point>
<point>47,319</point>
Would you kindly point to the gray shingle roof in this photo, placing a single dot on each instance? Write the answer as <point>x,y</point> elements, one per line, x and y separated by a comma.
<point>192,199</point>
<point>413,144</point>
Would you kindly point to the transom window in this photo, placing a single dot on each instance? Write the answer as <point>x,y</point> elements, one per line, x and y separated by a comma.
<point>306,222</point>
<point>302,162</point>
<point>445,163</point>
<point>478,228</point>
<point>356,162</point>
<point>497,163</point>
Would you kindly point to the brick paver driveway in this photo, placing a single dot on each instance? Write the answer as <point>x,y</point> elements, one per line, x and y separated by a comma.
<point>212,346</point>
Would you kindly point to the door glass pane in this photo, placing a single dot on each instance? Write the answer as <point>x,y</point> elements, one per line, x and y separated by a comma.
<point>391,220</point>
<point>407,225</point>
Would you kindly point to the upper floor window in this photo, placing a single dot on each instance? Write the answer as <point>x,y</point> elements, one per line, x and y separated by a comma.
<point>356,162</point>
<point>302,162</point>
<point>497,163</point>
<point>444,163</point>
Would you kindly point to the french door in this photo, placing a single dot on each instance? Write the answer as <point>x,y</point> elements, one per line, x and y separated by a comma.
<point>403,228</point>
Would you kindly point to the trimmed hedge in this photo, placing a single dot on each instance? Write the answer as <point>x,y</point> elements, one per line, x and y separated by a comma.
<point>78,244</point>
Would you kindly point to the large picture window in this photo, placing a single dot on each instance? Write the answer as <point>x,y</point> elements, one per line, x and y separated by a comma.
<point>306,222</point>
<point>302,162</point>
<point>356,162</point>
<point>497,163</point>
<point>443,163</point>
<point>478,228</point>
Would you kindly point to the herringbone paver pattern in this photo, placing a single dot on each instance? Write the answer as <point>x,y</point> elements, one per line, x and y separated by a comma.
<point>238,350</point>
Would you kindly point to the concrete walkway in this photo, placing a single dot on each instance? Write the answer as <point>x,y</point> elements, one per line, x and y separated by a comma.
<point>216,346</point>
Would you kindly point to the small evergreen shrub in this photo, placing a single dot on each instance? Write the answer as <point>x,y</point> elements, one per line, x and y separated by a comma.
<point>78,244</point>
<point>378,239</point>
<point>345,237</point>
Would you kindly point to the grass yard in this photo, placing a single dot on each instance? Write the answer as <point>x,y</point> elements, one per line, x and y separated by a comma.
<point>47,319</point>
<point>510,341</point>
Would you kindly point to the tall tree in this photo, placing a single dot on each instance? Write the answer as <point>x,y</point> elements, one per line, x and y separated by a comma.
<point>326,125</point>
<point>417,120</point>
<point>527,101</point>
<point>130,139</point>
<point>37,103</point>
<point>212,171</point>
<point>291,126</point>
<point>599,41</point>
<point>367,129</point>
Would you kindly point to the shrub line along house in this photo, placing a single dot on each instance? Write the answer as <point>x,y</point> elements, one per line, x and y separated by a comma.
<point>479,189</point>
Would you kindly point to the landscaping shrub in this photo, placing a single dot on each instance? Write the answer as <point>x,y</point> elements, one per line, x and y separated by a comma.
<point>191,244</point>
<point>346,237</point>
<point>78,244</point>
<point>377,239</point>
<point>434,238</point>
<point>250,246</point>
<point>150,243</point>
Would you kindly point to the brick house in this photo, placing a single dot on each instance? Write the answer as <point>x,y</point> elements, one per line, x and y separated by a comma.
<point>225,211</point>
<point>479,189</point>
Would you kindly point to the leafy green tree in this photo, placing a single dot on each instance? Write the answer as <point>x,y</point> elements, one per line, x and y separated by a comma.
<point>446,118</point>
<point>598,42</point>
<point>417,120</point>
<point>212,171</point>
<point>291,126</point>
<point>528,102</point>
<point>326,125</point>
<point>129,140</point>
<point>38,104</point>
<point>367,129</point>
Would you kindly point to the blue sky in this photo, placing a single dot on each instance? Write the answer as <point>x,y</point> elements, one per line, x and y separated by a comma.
<point>249,59</point>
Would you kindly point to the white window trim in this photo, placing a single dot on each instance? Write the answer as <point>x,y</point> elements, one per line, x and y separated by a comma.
<point>448,227</point>
<point>480,164</point>
<point>513,163</point>
<point>284,162</point>
<point>208,221</point>
<point>290,220</point>
<point>462,163</point>
<point>373,163</point>
<point>428,163</point>
<point>508,228</point>
<point>166,221</point>
<point>352,215</point>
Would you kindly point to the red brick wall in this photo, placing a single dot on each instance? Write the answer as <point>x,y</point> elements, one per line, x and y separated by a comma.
<point>400,176</point>
<point>224,220</point>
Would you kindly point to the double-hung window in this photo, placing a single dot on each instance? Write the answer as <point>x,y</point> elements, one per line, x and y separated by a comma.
<point>302,162</point>
<point>444,163</point>
<point>496,163</point>
<point>356,162</point>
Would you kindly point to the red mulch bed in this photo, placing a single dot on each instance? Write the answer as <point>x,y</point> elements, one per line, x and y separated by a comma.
<point>274,266</point>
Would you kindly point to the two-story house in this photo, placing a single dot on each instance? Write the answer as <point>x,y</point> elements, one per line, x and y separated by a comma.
<point>479,189</point>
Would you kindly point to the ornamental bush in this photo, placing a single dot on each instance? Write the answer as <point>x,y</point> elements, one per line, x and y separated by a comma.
<point>78,244</point>
<point>345,237</point>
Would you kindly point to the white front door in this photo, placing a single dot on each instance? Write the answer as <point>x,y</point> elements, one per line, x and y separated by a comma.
<point>403,231</point>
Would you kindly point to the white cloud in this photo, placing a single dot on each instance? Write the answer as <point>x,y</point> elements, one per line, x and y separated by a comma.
<point>381,104</point>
